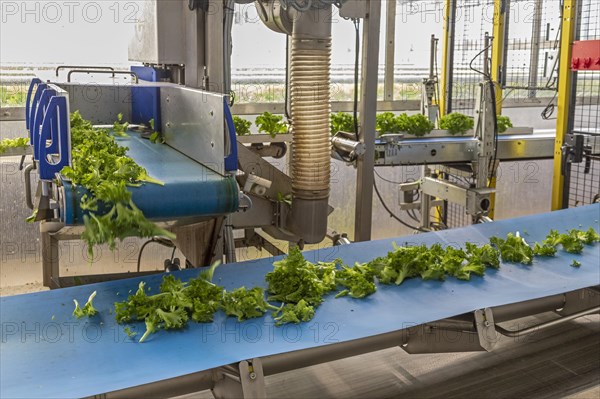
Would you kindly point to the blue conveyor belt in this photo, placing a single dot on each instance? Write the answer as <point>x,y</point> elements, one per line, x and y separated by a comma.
<point>45,352</point>
<point>191,189</point>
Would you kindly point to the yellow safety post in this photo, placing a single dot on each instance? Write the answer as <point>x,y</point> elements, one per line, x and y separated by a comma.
<point>564,97</point>
<point>497,68</point>
<point>498,50</point>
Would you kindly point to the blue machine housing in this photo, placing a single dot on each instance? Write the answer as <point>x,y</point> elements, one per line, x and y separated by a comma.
<point>145,103</point>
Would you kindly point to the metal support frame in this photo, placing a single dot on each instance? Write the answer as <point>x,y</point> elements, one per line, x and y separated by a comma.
<point>244,380</point>
<point>478,200</point>
<point>476,331</point>
<point>565,84</point>
<point>253,239</point>
<point>447,57</point>
<point>429,103</point>
<point>365,176</point>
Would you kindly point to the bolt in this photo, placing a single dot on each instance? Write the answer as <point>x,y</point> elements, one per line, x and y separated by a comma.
<point>252,376</point>
<point>486,323</point>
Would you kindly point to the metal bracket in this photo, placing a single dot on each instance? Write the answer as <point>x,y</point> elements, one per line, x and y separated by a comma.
<point>444,336</point>
<point>247,380</point>
<point>486,330</point>
<point>577,301</point>
<point>572,151</point>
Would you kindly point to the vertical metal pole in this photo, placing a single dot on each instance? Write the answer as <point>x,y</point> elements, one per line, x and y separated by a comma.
<point>50,259</point>
<point>425,203</point>
<point>486,55</point>
<point>565,80</point>
<point>368,110</point>
<point>448,57</point>
<point>194,48</point>
<point>214,46</point>
<point>390,51</point>
<point>501,12</point>
<point>432,55</point>
<point>534,56</point>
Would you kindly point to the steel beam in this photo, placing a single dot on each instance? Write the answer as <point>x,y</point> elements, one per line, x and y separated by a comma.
<point>368,111</point>
<point>447,57</point>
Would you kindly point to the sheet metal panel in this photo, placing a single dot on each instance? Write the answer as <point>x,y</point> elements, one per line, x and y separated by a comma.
<point>45,352</point>
<point>193,122</point>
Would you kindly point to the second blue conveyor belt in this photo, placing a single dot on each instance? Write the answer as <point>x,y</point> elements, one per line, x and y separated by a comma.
<point>46,352</point>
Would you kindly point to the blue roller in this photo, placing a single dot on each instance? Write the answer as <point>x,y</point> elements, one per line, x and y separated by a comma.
<point>191,189</point>
<point>46,352</point>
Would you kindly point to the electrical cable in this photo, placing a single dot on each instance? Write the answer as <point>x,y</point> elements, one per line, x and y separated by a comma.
<point>413,216</point>
<point>487,76</point>
<point>402,222</point>
<point>356,22</point>
<point>386,180</point>
<point>495,115</point>
<point>286,100</point>
<point>157,240</point>
<point>549,110</point>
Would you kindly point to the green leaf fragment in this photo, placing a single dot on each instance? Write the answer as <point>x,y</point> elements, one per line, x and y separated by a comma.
<point>88,309</point>
<point>294,313</point>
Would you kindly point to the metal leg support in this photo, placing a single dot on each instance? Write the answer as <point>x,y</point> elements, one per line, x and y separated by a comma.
<point>50,257</point>
<point>247,380</point>
<point>484,322</point>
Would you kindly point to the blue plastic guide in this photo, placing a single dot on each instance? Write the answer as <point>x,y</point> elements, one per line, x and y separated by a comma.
<point>46,352</point>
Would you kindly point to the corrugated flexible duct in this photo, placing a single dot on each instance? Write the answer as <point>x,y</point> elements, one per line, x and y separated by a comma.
<point>310,63</point>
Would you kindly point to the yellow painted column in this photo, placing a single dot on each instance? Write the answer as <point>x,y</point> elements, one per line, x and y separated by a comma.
<point>497,68</point>
<point>564,98</point>
<point>498,50</point>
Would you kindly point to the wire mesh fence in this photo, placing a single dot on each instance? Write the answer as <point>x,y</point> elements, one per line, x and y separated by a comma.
<point>473,19</point>
<point>584,179</point>
<point>532,47</point>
